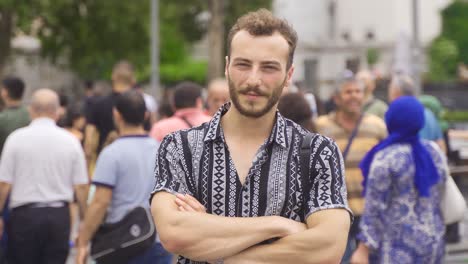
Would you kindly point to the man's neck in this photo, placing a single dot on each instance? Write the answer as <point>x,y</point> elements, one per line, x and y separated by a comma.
<point>12,103</point>
<point>248,128</point>
<point>120,88</point>
<point>126,130</point>
<point>347,120</point>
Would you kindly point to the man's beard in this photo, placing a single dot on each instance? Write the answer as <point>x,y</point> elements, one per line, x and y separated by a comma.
<point>272,99</point>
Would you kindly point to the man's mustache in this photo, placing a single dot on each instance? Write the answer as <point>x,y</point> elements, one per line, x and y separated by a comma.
<point>255,90</point>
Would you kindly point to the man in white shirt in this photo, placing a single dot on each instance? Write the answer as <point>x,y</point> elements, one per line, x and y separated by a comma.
<point>41,167</point>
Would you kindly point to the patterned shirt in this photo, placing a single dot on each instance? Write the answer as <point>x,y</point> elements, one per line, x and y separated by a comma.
<point>197,161</point>
<point>399,225</point>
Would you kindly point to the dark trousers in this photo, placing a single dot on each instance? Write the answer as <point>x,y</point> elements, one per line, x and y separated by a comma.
<point>39,235</point>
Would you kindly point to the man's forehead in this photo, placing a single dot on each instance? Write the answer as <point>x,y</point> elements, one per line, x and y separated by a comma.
<point>351,85</point>
<point>272,46</point>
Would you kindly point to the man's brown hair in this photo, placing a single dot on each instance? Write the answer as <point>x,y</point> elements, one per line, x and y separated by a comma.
<point>263,23</point>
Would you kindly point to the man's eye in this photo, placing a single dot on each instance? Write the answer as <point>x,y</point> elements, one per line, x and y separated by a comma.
<point>270,68</point>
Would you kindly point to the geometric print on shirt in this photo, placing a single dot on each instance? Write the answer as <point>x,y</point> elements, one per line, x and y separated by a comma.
<point>197,161</point>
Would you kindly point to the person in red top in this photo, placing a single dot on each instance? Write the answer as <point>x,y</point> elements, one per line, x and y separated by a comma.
<point>189,111</point>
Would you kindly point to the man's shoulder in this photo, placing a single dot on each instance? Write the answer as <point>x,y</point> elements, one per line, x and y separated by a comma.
<point>373,119</point>
<point>379,103</point>
<point>325,118</point>
<point>19,134</point>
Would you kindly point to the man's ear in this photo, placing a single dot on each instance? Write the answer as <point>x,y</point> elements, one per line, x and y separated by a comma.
<point>226,59</point>
<point>290,73</point>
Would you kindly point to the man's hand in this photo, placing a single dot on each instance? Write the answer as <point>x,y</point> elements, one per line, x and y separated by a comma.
<point>82,254</point>
<point>361,255</point>
<point>187,203</point>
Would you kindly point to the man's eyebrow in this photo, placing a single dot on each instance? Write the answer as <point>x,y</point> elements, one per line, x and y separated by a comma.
<point>272,62</point>
<point>241,60</point>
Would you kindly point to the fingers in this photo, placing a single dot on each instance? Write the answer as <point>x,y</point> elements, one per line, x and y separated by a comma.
<point>189,204</point>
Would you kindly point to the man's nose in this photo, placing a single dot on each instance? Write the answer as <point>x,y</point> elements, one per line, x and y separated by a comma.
<point>255,77</point>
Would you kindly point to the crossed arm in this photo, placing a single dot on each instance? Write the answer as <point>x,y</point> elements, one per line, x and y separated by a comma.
<point>186,230</point>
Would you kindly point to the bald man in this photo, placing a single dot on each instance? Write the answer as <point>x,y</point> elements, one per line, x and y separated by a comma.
<point>371,104</point>
<point>218,94</point>
<point>42,166</point>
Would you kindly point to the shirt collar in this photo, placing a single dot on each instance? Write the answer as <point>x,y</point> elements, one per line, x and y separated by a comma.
<point>278,134</point>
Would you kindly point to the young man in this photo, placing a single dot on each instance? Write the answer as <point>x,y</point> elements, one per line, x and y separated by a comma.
<point>41,166</point>
<point>123,177</point>
<point>232,190</point>
<point>14,115</point>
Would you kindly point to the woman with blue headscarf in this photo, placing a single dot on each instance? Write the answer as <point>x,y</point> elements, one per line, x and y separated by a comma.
<point>403,183</point>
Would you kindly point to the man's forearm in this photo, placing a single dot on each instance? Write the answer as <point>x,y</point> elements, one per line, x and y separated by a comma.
<point>202,237</point>
<point>4,191</point>
<point>310,246</point>
<point>91,141</point>
<point>206,237</point>
<point>94,217</point>
<point>81,193</point>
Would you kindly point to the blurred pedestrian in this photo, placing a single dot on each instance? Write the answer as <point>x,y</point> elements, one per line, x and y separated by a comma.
<point>355,133</point>
<point>42,165</point>
<point>403,85</point>
<point>75,121</point>
<point>100,127</point>
<point>15,115</point>
<point>295,107</point>
<point>188,106</point>
<point>217,95</point>
<point>404,179</point>
<point>63,108</point>
<point>151,107</point>
<point>371,104</point>
<point>123,178</point>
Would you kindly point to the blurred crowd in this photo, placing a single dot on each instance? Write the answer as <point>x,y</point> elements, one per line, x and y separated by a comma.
<point>125,126</point>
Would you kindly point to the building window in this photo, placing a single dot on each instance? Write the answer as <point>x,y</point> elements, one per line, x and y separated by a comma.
<point>352,64</point>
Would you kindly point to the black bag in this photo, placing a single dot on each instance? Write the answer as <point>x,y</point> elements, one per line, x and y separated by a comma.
<point>118,242</point>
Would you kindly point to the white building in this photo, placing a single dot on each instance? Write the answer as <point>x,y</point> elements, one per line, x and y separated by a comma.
<point>337,34</point>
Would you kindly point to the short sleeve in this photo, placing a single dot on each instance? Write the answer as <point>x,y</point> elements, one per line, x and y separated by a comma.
<point>327,188</point>
<point>80,172</point>
<point>169,172</point>
<point>7,162</point>
<point>105,173</point>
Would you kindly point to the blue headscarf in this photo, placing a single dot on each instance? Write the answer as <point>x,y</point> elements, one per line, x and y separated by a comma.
<point>404,119</point>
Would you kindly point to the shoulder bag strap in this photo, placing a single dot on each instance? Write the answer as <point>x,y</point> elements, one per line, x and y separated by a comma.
<point>186,121</point>
<point>351,138</point>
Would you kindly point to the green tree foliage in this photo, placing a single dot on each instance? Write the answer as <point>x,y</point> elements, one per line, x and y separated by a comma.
<point>91,35</point>
<point>443,55</point>
<point>451,47</point>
